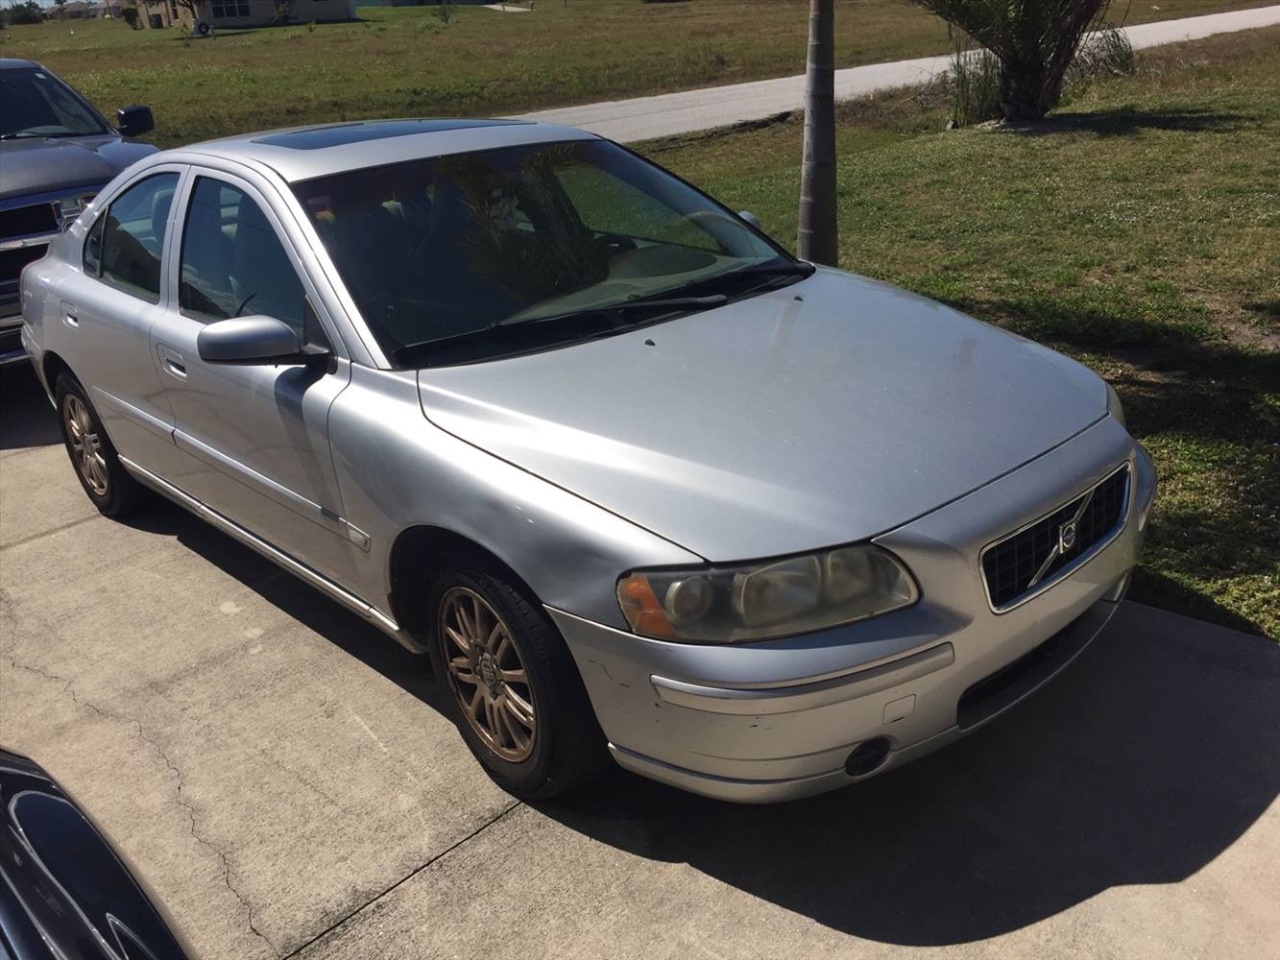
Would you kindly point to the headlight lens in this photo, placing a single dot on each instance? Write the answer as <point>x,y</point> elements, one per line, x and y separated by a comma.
<point>1114,406</point>
<point>762,601</point>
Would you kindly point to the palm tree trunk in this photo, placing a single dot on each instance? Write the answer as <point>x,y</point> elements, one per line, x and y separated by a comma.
<point>818,237</point>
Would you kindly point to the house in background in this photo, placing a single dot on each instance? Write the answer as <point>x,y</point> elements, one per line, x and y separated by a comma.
<point>245,13</point>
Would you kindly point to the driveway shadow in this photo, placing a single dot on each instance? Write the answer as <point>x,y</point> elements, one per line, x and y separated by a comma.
<point>26,417</point>
<point>1148,758</point>
<point>340,626</point>
<point>1142,763</point>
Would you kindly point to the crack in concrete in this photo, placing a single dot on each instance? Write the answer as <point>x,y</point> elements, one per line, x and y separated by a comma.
<point>182,801</point>
<point>49,533</point>
<point>403,880</point>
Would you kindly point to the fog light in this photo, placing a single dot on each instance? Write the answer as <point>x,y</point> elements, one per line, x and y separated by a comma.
<point>867,756</point>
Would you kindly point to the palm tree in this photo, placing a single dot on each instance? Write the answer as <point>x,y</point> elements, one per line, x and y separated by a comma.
<point>1034,40</point>
<point>818,236</point>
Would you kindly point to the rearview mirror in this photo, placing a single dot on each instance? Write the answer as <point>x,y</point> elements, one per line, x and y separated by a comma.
<point>254,340</point>
<point>749,217</point>
<point>134,121</point>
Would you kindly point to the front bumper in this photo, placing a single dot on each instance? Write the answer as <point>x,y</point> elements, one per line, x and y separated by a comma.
<point>778,720</point>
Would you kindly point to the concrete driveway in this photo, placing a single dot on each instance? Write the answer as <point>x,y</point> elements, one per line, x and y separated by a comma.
<point>283,777</point>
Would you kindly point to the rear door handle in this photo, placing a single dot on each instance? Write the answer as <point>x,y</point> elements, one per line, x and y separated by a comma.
<point>70,315</point>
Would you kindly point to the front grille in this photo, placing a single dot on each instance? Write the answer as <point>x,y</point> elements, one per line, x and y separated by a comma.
<point>1035,555</point>
<point>28,221</point>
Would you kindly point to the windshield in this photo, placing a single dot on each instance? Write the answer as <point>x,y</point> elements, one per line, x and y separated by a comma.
<point>35,103</point>
<point>443,250</point>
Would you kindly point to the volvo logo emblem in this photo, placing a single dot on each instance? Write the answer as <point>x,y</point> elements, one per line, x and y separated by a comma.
<point>1066,537</point>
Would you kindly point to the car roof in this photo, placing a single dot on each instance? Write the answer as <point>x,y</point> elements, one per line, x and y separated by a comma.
<point>304,153</point>
<point>12,63</point>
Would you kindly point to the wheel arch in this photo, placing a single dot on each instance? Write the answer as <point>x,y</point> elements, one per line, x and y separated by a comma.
<point>423,553</point>
<point>51,367</point>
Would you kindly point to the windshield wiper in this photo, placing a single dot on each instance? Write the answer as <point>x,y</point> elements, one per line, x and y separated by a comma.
<point>514,327</point>
<point>25,135</point>
<point>670,303</point>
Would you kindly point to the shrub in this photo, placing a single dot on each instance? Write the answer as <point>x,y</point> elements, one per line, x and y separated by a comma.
<point>130,16</point>
<point>1034,40</point>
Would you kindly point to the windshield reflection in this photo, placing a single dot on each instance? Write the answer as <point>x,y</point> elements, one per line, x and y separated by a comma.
<point>453,248</point>
<point>34,103</point>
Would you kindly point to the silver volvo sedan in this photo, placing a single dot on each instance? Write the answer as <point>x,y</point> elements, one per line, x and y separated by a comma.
<point>639,482</point>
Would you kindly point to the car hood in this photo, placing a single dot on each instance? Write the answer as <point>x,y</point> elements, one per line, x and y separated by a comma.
<point>39,165</point>
<point>823,413</point>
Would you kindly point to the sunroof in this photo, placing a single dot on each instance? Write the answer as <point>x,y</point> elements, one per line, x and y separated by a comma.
<point>338,136</point>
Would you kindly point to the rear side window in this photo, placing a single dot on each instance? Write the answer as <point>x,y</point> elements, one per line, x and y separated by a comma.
<point>125,244</point>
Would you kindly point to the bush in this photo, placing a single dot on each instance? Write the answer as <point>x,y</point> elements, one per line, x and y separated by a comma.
<point>975,84</point>
<point>130,16</point>
<point>976,78</point>
<point>1034,40</point>
<point>21,13</point>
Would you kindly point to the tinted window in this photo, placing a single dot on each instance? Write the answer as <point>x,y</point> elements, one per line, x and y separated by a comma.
<point>37,104</point>
<point>233,263</point>
<point>437,250</point>
<point>125,244</point>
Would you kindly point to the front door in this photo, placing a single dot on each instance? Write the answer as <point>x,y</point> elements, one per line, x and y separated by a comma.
<point>254,438</point>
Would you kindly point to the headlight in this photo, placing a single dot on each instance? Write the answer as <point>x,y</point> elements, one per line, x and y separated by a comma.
<point>761,601</point>
<point>1114,406</point>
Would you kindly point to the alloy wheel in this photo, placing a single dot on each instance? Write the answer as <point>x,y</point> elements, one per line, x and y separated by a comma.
<point>487,675</point>
<point>86,445</point>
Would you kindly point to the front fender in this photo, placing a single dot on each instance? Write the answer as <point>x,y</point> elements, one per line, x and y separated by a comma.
<point>396,471</point>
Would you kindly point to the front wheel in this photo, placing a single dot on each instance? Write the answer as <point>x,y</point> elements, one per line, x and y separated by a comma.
<point>514,689</point>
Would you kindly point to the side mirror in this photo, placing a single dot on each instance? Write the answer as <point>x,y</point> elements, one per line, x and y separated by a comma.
<point>254,341</point>
<point>134,121</point>
<point>750,218</point>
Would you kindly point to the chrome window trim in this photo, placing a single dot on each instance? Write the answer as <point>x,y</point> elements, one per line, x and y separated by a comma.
<point>1043,585</point>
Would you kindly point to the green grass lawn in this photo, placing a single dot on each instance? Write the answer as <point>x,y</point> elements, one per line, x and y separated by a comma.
<point>1138,231</point>
<point>405,62</point>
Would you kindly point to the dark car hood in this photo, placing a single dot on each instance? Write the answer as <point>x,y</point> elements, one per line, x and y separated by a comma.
<point>37,165</point>
<point>65,894</point>
<point>826,412</point>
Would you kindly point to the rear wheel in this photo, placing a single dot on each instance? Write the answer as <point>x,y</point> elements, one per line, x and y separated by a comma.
<point>514,690</point>
<point>106,482</point>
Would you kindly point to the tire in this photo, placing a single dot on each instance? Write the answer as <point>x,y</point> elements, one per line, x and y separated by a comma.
<point>105,480</point>
<point>517,699</point>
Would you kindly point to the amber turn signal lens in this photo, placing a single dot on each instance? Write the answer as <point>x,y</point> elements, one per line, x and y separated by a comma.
<point>641,608</point>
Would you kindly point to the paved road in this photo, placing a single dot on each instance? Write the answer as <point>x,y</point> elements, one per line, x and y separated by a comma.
<point>282,775</point>
<point>647,118</point>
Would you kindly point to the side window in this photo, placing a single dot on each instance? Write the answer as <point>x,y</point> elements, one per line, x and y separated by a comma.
<point>233,264</point>
<point>124,245</point>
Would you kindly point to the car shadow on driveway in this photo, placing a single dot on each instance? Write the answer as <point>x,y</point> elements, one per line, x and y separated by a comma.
<point>1140,764</point>
<point>1143,762</point>
<point>327,618</point>
<point>26,417</point>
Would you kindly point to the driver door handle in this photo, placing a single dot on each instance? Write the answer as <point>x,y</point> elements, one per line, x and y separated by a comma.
<point>172,362</point>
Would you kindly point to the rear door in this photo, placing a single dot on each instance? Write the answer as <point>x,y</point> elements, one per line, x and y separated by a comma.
<point>255,439</point>
<point>107,309</point>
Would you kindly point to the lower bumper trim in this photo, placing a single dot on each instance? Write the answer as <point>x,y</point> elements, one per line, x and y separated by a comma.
<point>766,701</point>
